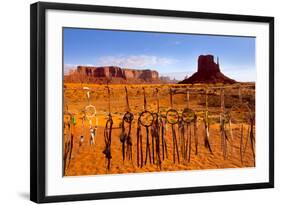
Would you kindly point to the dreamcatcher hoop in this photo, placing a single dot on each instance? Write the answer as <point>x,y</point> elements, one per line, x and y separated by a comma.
<point>188,115</point>
<point>142,121</point>
<point>176,114</point>
<point>87,108</point>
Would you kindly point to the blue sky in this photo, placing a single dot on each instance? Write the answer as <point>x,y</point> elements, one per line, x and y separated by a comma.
<point>173,55</point>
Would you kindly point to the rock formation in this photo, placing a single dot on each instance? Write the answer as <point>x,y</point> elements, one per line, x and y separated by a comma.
<point>111,74</point>
<point>207,72</point>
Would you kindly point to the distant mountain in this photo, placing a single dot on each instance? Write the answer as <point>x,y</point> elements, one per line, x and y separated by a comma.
<point>167,79</point>
<point>207,72</point>
<point>112,75</point>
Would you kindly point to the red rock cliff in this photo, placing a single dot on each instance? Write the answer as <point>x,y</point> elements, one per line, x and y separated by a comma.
<point>111,74</point>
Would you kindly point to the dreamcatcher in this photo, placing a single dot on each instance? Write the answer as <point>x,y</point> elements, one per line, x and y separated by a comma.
<point>126,125</point>
<point>69,123</point>
<point>173,118</point>
<point>90,114</point>
<point>145,120</point>
<point>139,145</point>
<point>187,118</point>
<point>157,123</point>
<point>162,122</point>
<point>164,147</point>
<point>242,115</point>
<point>155,134</point>
<point>107,134</point>
<point>207,124</point>
<point>223,118</point>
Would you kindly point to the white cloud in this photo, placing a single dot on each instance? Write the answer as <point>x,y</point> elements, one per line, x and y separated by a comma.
<point>135,61</point>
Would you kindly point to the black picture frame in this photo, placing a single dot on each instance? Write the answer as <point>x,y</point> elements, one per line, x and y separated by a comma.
<point>38,101</point>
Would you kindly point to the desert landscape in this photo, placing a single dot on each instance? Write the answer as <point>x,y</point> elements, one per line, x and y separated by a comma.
<point>120,120</point>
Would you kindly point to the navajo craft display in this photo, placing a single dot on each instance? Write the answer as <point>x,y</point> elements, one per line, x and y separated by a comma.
<point>159,136</point>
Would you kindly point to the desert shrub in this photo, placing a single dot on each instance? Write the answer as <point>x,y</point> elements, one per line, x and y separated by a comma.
<point>250,99</point>
<point>215,100</point>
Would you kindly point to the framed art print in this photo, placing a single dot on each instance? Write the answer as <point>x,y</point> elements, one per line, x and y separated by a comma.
<point>129,102</point>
